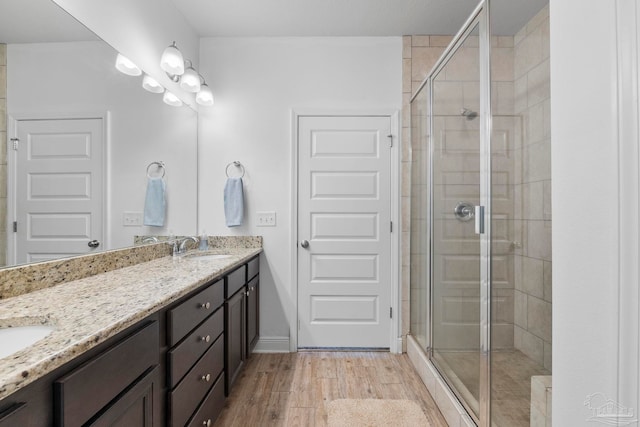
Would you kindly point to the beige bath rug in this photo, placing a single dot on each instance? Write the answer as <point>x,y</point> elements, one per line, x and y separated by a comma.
<point>374,413</point>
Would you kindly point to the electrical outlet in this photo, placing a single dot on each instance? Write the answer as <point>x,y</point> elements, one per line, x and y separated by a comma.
<point>266,219</point>
<point>132,219</point>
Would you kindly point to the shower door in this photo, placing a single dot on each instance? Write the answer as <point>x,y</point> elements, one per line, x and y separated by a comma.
<point>460,203</point>
<point>456,243</point>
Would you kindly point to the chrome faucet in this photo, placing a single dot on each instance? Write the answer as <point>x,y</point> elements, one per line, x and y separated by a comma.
<point>183,244</point>
<point>150,239</point>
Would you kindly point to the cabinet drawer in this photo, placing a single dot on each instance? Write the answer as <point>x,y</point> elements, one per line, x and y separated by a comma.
<point>182,319</point>
<point>253,268</point>
<point>211,406</point>
<point>83,392</point>
<point>188,351</point>
<point>235,280</point>
<point>186,397</point>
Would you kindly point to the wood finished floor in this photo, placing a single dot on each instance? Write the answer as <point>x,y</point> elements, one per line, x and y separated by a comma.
<point>293,389</point>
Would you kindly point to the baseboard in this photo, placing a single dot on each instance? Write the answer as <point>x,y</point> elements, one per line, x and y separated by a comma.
<point>272,345</point>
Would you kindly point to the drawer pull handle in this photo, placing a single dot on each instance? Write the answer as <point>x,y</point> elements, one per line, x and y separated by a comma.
<point>206,339</point>
<point>205,305</point>
<point>207,423</point>
<point>206,378</point>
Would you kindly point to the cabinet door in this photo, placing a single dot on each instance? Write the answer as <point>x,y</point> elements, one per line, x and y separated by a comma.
<point>235,336</point>
<point>134,407</point>
<point>253,314</point>
<point>15,415</point>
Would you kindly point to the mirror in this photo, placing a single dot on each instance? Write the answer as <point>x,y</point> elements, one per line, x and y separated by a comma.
<point>57,70</point>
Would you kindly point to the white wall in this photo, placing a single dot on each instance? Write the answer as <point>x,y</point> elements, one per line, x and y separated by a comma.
<point>60,78</point>
<point>595,283</point>
<point>256,84</point>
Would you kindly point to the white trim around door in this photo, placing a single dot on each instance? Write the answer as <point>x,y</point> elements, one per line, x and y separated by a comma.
<point>395,334</point>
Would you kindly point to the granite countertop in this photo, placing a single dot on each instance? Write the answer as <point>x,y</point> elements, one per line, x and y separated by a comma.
<point>88,311</point>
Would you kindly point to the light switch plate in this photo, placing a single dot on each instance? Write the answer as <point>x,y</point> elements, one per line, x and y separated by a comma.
<point>266,219</point>
<point>132,219</point>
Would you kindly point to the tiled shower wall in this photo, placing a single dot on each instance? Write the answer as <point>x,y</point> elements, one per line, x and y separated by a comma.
<point>532,254</point>
<point>3,153</point>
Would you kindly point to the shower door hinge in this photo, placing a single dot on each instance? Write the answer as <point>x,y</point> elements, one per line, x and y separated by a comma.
<point>391,226</point>
<point>390,312</point>
<point>390,136</point>
<point>15,142</point>
<point>15,226</point>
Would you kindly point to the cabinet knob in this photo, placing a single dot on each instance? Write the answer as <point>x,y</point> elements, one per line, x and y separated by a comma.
<point>205,305</point>
<point>206,338</point>
<point>207,423</point>
<point>206,378</point>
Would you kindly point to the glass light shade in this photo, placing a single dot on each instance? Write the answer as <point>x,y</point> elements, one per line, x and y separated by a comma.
<point>205,97</point>
<point>126,66</point>
<point>151,84</point>
<point>190,80</point>
<point>172,61</point>
<point>171,99</point>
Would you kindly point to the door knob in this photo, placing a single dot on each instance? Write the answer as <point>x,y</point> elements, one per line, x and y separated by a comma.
<point>304,244</point>
<point>93,244</point>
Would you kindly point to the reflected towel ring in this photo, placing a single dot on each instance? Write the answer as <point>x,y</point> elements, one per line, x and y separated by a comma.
<point>236,164</point>
<point>159,165</point>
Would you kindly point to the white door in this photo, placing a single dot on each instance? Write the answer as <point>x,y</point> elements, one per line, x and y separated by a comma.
<point>344,213</point>
<point>58,188</point>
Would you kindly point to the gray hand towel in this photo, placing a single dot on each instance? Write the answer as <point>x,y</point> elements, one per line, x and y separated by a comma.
<point>233,202</point>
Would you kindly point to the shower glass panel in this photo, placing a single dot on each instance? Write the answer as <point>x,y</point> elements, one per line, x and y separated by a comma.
<point>456,246</point>
<point>419,217</point>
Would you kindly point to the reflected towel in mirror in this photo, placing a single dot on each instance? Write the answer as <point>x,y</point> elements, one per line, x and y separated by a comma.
<point>155,202</point>
<point>233,202</point>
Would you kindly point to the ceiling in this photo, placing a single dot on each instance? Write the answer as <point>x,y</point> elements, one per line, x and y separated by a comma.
<point>215,18</point>
<point>43,20</point>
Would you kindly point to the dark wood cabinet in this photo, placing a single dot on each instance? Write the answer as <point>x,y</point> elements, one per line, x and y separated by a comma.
<point>15,415</point>
<point>196,360</point>
<point>85,391</point>
<point>134,407</point>
<point>173,368</point>
<point>253,314</point>
<point>235,334</point>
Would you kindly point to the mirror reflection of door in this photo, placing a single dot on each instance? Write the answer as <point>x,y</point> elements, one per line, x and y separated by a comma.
<point>58,188</point>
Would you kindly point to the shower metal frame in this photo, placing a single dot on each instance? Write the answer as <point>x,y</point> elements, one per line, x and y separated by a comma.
<point>479,17</point>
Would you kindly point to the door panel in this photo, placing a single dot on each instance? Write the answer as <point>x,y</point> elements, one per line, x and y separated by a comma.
<point>456,246</point>
<point>344,275</point>
<point>58,187</point>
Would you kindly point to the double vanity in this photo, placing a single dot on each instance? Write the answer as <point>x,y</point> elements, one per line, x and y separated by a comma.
<point>158,342</point>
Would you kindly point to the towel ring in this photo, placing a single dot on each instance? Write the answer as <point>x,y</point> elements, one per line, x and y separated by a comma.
<point>159,165</point>
<point>236,164</point>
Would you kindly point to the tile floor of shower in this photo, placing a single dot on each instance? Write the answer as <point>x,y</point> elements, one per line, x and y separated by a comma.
<point>511,373</point>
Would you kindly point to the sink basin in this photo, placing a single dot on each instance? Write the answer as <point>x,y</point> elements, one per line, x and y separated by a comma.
<point>16,338</point>
<point>207,257</point>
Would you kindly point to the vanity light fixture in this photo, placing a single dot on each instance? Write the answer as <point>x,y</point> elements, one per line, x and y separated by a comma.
<point>126,66</point>
<point>181,71</point>
<point>170,99</point>
<point>190,80</point>
<point>204,97</point>
<point>172,62</point>
<point>151,84</point>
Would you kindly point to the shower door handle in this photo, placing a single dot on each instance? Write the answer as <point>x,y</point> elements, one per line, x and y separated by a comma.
<point>479,217</point>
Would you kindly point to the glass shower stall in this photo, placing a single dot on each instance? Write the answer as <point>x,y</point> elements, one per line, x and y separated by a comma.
<point>481,218</point>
